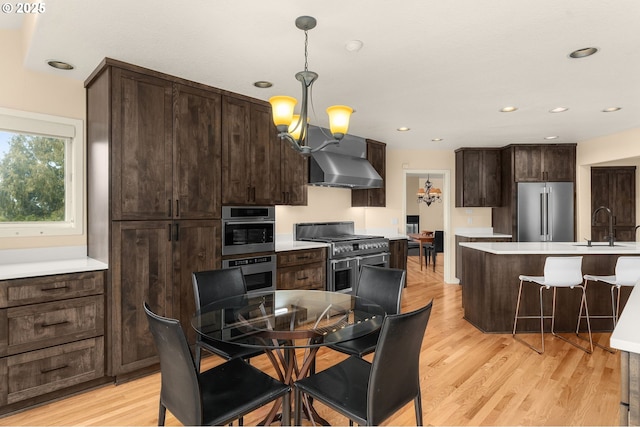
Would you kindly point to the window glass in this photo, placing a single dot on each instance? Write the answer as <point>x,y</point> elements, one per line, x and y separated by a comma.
<point>40,156</point>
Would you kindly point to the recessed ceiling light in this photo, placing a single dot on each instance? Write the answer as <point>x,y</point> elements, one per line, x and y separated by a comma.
<point>403,129</point>
<point>60,65</point>
<point>551,137</point>
<point>437,139</point>
<point>558,110</point>
<point>263,84</point>
<point>583,53</point>
<point>354,45</point>
<point>611,109</point>
<point>509,109</point>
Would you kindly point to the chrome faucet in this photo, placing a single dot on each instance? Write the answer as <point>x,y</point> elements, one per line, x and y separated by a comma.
<point>593,222</point>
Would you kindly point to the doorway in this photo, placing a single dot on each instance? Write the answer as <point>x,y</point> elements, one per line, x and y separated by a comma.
<point>436,216</point>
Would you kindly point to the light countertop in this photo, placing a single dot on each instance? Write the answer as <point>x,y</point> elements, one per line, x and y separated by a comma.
<point>283,245</point>
<point>21,263</point>
<point>554,248</point>
<point>480,233</point>
<point>626,335</point>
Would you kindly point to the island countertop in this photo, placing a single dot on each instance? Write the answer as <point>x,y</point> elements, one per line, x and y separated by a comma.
<point>554,248</point>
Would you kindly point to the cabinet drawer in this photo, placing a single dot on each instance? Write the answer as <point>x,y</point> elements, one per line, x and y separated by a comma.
<point>50,288</point>
<point>43,371</point>
<point>37,326</point>
<point>306,256</point>
<point>310,276</point>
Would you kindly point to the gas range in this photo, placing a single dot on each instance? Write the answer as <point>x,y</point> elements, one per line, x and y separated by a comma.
<point>344,243</point>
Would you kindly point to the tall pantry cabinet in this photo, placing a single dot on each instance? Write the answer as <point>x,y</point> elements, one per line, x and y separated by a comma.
<point>153,187</point>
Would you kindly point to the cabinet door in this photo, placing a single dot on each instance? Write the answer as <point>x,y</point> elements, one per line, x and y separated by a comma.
<point>623,197</point>
<point>236,151</point>
<point>197,151</point>
<point>398,249</point>
<point>294,171</point>
<point>196,247</point>
<point>559,163</point>
<point>491,178</point>
<point>376,154</point>
<point>140,271</point>
<point>141,146</point>
<point>528,163</point>
<point>265,157</point>
<point>468,183</point>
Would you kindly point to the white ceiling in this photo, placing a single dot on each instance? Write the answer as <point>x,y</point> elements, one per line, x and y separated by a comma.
<point>443,68</point>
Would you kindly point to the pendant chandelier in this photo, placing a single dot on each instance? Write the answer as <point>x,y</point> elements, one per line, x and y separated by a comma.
<point>429,194</point>
<point>294,128</point>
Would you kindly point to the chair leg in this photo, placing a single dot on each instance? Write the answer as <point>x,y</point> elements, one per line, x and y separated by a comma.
<point>417,402</point>
<point>198,356</point>
<point>515,321</point>
<point>286,410</point>
<point>161,414</point>
<point>297,403</point>
<point>586,310</point>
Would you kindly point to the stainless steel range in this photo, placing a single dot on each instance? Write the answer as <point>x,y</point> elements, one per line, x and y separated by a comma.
<point>348,252</point>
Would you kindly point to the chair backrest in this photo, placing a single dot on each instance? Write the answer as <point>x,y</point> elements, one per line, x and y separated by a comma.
<point>395,372</point>
<point>563,271</point>
<point>438,240</point>
<point>382,285</point>
<point>213,285</point>
<point>180,389</point>
<point>627,270</point>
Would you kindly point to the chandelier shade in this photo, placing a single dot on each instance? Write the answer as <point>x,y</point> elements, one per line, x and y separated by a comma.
<point>294,128</point>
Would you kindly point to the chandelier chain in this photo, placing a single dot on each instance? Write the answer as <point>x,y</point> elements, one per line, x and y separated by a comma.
<point>306,53</point>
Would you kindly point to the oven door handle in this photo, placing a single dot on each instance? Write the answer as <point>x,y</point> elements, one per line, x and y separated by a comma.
<point>335,262</point>
<point>259,222</point>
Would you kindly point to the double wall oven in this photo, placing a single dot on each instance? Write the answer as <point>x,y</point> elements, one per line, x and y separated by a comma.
<point>348,252</point>
<point>248,242</point>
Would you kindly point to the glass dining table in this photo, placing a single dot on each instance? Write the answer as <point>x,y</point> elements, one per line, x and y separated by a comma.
<point>282,321</point>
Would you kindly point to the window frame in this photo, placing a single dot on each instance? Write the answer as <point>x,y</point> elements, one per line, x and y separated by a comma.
<point>56,126</point>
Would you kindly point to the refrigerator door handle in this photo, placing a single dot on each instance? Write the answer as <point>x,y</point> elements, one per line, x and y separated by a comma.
<point>547,195</point>
<point>544,215</point>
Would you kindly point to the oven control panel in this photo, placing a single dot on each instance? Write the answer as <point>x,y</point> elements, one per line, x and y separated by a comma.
<point>360,247</point>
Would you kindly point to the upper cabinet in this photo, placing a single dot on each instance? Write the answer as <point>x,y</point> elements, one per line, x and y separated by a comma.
<point>294,171</point>
<point>251,154</point>
<point>376,197</point>
<point>478,177</point>
<point>538,163</point>
<point>163,158</point>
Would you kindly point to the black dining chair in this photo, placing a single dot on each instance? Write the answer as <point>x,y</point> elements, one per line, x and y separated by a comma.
<point>210,286</point>
<point>217,396</point>
<point>432,250</point>
<point>369,393</point>
<point>382,286</point>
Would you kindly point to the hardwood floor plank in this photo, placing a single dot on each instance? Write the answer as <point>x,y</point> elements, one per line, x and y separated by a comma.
<point>467,377</point>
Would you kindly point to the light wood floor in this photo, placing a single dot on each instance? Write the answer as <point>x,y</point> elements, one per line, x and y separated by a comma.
<point>468,378</point>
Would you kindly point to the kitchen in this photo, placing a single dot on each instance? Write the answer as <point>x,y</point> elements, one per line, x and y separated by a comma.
<point>57,94</point>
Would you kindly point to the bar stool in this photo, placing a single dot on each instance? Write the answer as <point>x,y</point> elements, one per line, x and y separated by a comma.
<point>559,272</point>
<point>627,273</point>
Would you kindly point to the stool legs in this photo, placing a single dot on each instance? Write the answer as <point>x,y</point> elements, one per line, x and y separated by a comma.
<point>540,350</point>
<point>615,304</point>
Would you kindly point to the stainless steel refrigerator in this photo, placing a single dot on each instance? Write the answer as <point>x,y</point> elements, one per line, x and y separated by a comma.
<point>545,212</point>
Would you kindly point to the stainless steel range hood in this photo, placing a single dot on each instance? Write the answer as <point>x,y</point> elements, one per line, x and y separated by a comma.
<point>343,165</point>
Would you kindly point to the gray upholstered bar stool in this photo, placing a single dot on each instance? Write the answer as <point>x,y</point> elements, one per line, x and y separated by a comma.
<point>559,272</point>
<point>627,273</point>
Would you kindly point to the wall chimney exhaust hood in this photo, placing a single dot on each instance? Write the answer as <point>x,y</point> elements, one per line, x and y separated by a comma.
<point>343,165</point>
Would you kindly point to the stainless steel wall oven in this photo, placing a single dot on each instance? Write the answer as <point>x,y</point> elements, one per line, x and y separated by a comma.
<point>259,272</point>
<point>248,229</point>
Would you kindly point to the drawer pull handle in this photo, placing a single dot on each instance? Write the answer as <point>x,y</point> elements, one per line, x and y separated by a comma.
<point>55,288</point>
<point>57,368</point>
<point>303,278</point>
<point>46,325</point>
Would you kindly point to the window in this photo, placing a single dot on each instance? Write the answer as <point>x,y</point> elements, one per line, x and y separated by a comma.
<point>41,174</point>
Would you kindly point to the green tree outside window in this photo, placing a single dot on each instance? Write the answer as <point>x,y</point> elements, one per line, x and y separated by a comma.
<point>32,179</point>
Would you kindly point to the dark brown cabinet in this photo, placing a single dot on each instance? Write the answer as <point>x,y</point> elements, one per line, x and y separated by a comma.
<point>51,337</point>
<point>399,250</point>
<point>614,188</point>
<point>295,175</point>
<point>374,197</point>
<point>251,154</point>
<point>538,163</point>
<point>302,269</point>
<point>478,177</point>
<point>154,146</point>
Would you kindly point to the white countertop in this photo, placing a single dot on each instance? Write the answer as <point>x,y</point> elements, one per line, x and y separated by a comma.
<point>482,235</point>
<point>283,245</point>
<point>626,335</point>
<point>21,263</point>
<point>554,248</point>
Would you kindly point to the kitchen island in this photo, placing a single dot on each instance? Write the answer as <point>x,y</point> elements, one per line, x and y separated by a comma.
<point>490,282</point>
